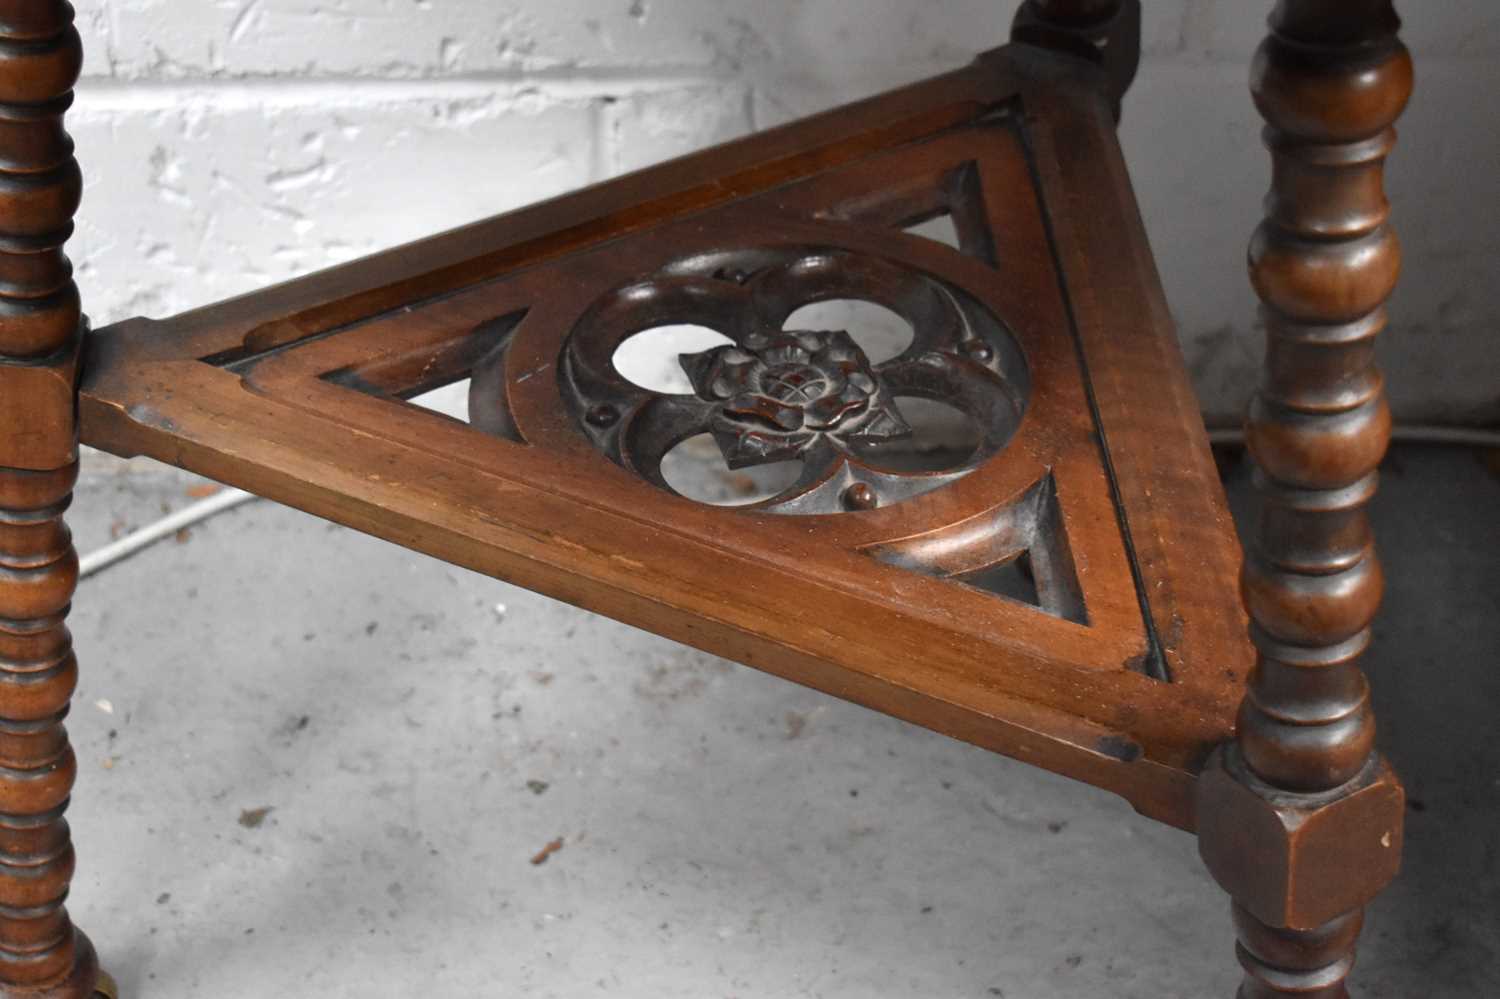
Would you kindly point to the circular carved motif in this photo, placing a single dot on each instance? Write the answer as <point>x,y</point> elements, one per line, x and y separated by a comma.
<point>812,396</point>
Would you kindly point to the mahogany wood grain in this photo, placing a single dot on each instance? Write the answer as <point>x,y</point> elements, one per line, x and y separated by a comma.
<point>1331,80</point>
<point>41,954</point>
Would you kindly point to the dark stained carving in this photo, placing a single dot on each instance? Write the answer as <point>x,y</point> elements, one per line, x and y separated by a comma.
<point>777,395</point>
<point>781,392</point>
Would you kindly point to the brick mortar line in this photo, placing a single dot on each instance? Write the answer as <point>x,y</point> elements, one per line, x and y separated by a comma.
<point>290,90</point>
<point>101,93</point>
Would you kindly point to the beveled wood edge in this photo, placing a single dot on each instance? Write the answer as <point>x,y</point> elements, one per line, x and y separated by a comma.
<point>923,677</point>
<point>1179,524</point>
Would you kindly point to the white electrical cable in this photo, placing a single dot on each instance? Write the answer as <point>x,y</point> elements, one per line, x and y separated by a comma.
<point>225,499</point>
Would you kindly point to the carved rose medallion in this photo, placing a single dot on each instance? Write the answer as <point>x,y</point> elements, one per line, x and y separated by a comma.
<point>778,393</point>
<point>811,401</point>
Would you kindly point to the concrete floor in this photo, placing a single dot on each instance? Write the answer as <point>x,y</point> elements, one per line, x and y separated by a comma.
<point>313,763</point>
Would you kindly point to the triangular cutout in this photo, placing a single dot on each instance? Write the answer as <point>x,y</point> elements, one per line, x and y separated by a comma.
<point>940,229</point>
<point>434,378</point>
<point>947,207</point>
<point>1018,551</point>
<point>451,400</point>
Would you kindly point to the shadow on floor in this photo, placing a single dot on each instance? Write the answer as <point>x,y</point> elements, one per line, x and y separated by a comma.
<point>419,734</point>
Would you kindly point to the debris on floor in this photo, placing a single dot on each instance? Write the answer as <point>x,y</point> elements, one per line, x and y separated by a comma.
<point>252,818</point>
<point>547,851</point>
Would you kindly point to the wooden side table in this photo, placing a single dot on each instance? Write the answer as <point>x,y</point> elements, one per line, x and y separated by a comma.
<point>1065,590</point>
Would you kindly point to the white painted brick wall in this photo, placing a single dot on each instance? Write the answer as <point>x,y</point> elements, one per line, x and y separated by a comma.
<point>230,143</point>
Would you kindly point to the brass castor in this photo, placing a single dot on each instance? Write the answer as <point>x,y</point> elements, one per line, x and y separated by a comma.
<point>105,987</point>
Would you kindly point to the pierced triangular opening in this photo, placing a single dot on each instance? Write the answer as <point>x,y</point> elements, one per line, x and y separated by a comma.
<point>947,208</point>
<point>434,378</point>
<point>450,400</point>
<point>940,229</point>
<point>1018,552</point>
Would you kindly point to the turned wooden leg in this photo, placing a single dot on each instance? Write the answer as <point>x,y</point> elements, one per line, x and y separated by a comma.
<point>1299,819</point>
<point>1107,32</point>
<point>41,955</point>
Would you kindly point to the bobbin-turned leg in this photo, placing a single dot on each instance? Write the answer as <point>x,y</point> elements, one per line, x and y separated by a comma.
<point>41,955</point>
<point>1299,819</point>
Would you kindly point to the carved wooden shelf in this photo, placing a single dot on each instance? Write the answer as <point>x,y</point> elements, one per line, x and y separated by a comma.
<point>1045,325</point>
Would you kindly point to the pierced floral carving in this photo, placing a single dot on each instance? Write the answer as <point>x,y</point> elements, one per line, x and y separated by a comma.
<point>812,396</point>
<point>780,392</point>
